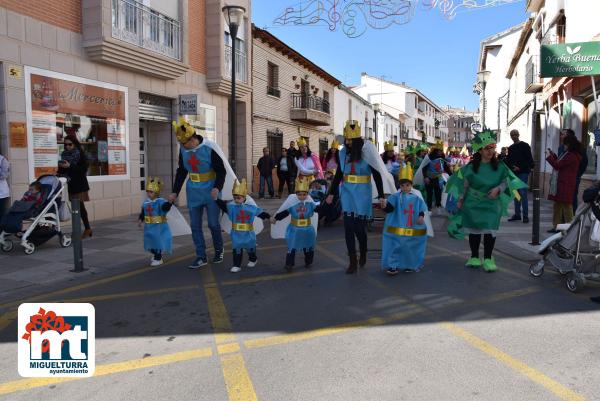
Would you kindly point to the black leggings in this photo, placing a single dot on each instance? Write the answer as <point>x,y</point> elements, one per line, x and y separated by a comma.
<point>433,188</point>
<point>290,257</point>
<point>488,245</point>
<point>84,215</point>
<point>353,226</point>
<point>237,257</point>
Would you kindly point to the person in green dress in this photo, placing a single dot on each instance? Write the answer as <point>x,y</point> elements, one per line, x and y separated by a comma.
<point>483,189</point>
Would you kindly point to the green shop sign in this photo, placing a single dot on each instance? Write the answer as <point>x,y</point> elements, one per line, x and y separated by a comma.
<point>570,59</point>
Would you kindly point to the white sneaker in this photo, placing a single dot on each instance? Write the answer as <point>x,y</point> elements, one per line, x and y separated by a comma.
<point>156,262</point>
<point>251,264</point>
<point>235,269</point>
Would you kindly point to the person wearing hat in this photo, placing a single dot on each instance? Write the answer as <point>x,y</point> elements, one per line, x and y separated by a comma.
<point>307,163</point>
<point>207,171</point>
<point>391,161</point>
<point>431,170</point>
<point>483,189</point>
<point>329,161</point>
<point>157,234</point>
<point>358,164</point>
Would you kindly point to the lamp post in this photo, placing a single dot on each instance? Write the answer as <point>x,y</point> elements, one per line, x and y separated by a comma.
<point>375,123</point>
<point>482,78</point>
<point>234,15</point>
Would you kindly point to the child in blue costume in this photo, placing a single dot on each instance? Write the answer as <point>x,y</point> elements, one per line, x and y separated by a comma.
<point>298,216</point>
<point>405,229</point>
<point>241,213</point>
<point>157,234</point>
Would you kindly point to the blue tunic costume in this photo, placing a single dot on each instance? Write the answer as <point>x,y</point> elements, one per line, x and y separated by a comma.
<point>302,236</point>
<point>201,175</point>
<point>356,197</point>
<point>157,234</point>
<point>404,241</point>
<point>242,231</point>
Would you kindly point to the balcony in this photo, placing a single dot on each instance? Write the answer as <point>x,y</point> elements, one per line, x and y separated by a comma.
<point>241,65</point>
<point>310,109</point>
<point>219,80</point>
<point>533,82</point>
<point>130,35</point>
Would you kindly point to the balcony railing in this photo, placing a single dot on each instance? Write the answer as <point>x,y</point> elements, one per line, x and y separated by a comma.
<point>142,26</point>
<point>533,82</point>
<point>307,101</point>
<point>241,65</point>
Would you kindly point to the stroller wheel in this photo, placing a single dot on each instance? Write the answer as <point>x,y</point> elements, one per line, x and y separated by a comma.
<point>65,240</point>
<point>537,269</point>
<point>28,248</point>
<point>7,246</point>
<point>574,282</point>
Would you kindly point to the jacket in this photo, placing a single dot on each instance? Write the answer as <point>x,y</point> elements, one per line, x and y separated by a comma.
<point>77,176</point>
<point>567,168</point>
<point>265,166</point>
<point>291,164</point>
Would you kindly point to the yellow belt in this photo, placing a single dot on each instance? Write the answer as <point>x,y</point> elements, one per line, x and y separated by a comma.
<point>357,179</point>
<point>242,227</point>
<point>409,232</point>
<point>301,222</point>
<point>155,219</point>
<point>203,177</point>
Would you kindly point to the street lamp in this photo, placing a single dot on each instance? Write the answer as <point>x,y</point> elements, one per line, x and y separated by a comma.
<point>375,124</point>
<point>234,15</point>
<point>482,78</point>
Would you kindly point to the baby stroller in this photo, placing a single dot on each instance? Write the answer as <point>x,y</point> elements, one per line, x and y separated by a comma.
<point>43,219</point>
<point>574,251</point>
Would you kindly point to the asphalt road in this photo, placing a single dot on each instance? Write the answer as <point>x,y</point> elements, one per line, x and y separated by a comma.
<point>446,333</point>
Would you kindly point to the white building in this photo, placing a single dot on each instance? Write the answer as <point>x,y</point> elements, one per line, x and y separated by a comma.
<point>495,56</point>
<point>350,106</point>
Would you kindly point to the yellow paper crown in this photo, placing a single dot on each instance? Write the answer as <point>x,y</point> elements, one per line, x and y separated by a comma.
<point>154,185</point>
<point>183,131</point>
<point>335,144</point>
<point>388,146</point>
<point>302,184</point>
<point>302,142</point>
<point>406,172</point>
<point>352,129</point>
<point>439,144</point>
<point>240,188</point>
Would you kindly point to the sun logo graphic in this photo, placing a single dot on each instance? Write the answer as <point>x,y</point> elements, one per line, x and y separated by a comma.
<point>56,340</point>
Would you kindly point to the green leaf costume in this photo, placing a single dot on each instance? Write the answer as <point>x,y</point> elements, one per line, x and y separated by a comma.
<point>478,211</point>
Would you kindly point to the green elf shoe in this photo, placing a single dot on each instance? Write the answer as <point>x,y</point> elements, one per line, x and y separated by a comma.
<point>473,263</point>
<point>489,265</point>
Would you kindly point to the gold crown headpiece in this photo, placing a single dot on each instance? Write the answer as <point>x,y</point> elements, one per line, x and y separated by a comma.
<point>183,130</point>
<point>406,172</point>
<point>439,144</point>
<point>352,129</point>
<point>302,184</point>
<point>388,146</point>
<point>240,188</point>
<point>335,144</point>
<point>154,184</point>
<point>302,142</point>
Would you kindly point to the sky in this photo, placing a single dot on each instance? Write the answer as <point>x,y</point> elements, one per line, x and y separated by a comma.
<point>435,55</point>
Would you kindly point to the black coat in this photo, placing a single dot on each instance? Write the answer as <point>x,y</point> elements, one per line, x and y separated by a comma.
<point>77,176</point>
<point>265,165</point>
<point>291,163</point>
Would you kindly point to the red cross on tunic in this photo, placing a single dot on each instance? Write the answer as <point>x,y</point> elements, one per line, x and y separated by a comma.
<point>194,162</point>
<point>301,210</point>
<point>149,210</point>
<point>409,212</point>
<point>243,217</point>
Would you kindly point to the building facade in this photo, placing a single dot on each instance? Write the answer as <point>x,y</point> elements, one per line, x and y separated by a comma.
<point>111,72</point>
<point>460,121</point>
<point>292,98</point>
<point>350,106</point>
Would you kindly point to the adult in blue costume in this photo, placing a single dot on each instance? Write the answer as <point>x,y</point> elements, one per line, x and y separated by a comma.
<point>357,162</point>
<point>203,164</point>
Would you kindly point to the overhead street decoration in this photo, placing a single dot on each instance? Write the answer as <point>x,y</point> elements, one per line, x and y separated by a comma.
<point>355,17</point>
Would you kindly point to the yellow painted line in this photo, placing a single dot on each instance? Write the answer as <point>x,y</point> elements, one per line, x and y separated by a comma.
<point>108,369</point>
<point>7,318</point>
<point>109,297</point>
<point>239,385</point>
<point>282,276</point>
<point>534,375</point>
<point>228,348</point>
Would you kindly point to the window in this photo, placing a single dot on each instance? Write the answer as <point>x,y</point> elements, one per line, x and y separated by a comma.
<point>323,146</point>
<point>326,102</point>
<point>273,80</point>
<point>275,143</point>
<point>154,26</point>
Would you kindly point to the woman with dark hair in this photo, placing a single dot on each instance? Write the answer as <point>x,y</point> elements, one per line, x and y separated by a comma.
<point>483,189</point>
<point>307,163</point>
<point>74,165</point>
<point>358,161</point>
<point>563,180</point>
<point>329,161</point>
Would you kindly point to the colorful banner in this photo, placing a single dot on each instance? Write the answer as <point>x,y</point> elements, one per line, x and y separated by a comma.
<point>570,59</point>
<point>45,151</point>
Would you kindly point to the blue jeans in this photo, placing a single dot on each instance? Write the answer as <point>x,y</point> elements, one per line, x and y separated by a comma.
<point>576,194</point>
<point>212,211</point>
<point>261,186</point>
<point>522,204</point>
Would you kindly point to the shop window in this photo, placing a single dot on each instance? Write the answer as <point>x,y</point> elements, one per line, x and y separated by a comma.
<point>275,142</point>
<point>205,122</point>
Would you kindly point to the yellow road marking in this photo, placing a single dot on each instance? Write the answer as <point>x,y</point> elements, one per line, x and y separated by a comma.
<point>237,379</point>
<point>282,276</point>
<point>108,369</point>
<point>534,375</point>
<point>7,318</point>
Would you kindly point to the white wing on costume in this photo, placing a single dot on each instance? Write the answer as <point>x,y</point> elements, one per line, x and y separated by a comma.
<point>445,178</point>
<point>278,229</point>
<point>257,223</point>
<point>177,223</point>
<point>427,218</point>
<point>419,179</point>
<point>372,157</point>
<point>230,177</point>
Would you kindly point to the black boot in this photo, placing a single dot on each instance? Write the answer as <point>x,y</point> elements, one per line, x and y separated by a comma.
<point>352,266</point>
<point>289,261</point>
<point>308,259</point>
<point>362,260</point>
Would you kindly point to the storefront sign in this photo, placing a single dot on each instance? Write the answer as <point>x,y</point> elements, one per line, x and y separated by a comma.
<point>60,105</point>
<point>570,59</point>
<point>15,71</point>
<point>18,135</point>
<point>188,104</point>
